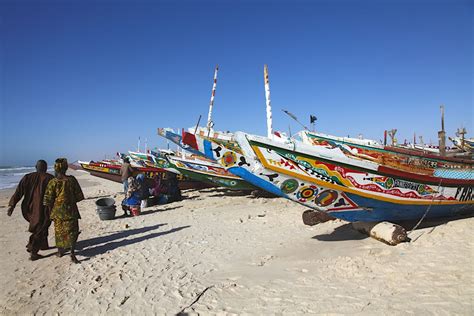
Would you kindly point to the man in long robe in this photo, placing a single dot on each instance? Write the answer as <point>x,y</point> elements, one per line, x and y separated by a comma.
<point>32,188</point>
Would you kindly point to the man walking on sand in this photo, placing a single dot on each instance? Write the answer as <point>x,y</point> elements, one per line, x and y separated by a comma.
<point>32,188</point>
<point>126,172</point>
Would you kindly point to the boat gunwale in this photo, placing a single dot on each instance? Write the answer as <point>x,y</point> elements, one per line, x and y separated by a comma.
<point>386,171</point>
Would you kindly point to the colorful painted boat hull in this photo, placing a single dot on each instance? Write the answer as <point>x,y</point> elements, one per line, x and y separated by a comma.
<point>213,175</point>
<point>112,173</point>
<point>206,171</point>
<point>324,184</point>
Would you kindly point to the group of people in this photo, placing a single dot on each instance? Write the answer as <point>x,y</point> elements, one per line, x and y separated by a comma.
<point>45,199</point>
<point>48,198</point>
<point>140,191</point>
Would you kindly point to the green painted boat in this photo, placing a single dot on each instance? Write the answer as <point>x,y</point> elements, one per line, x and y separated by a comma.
<point>209,172</point>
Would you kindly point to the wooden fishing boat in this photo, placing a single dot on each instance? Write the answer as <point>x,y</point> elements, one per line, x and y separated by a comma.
<point>197,167</point>
<point>210,172</point>
<point>356,182</point>
<point>150,160</point>
<point>326,179</point>
<point>101,167</point>
<point>112,172</point>
<point>404,159</point>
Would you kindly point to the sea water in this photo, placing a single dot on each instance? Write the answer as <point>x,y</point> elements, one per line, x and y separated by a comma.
<point>11,176</point>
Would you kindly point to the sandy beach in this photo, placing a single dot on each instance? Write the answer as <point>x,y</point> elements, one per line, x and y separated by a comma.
<point>220,252</point>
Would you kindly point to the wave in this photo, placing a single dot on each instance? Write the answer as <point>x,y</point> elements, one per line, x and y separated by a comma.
<point>4,186</point>
<point>15,168</point>
<point>21,170</point>
<point>14,174</point>
<point>10,177</point>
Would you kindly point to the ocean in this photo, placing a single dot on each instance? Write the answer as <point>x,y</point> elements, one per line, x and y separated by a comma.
<point>11,176</point>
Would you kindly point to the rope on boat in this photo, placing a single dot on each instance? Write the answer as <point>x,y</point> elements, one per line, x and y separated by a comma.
<point>426,212</point>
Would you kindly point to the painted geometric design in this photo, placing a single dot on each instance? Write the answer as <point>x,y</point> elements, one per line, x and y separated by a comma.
<point>326,198</point>
<point>228,159</point>
<point>307,193</point>
<point>455,174</point>
<point>289,186</point>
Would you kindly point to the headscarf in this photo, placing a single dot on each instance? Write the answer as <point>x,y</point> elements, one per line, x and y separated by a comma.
<point>134,184</point>
<point>60,165</point>
<point>141,177</point>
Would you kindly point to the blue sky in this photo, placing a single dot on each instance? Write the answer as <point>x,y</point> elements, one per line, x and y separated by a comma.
<point>85,79</point>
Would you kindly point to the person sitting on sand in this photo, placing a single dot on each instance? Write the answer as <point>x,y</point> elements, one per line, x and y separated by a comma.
<point>156,189</point>
<point>171,188</point>
<point>135,193</point>
<point>31,188</point>
<point>165,190</point>
<point>156,186</point>
<point>61,197</point>
<point>126,172</point>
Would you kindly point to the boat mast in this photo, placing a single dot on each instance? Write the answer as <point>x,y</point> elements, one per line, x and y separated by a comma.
<point>461,132</point>
<point>442,134</point>
<point>392,133</point>
<point>210,123</point>
<point>269,106</point>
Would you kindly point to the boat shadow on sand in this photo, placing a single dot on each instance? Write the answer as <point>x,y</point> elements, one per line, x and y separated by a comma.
<point>347,232</point>
<point>250,193</point>
<point>228,192</point>
<point>100,245</point>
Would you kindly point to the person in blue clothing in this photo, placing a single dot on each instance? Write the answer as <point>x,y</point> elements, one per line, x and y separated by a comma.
<point>136,192</point>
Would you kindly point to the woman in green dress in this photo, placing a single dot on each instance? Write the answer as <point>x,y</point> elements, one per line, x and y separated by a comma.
<point>62,194</point>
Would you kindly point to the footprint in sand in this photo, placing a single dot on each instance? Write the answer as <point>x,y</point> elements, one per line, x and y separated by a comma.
<point>265,259</point>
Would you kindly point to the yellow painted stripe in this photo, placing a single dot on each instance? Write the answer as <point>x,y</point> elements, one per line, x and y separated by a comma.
<point>351,190</point>
<point>96,168</point>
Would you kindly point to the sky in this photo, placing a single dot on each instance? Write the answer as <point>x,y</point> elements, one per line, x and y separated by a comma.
<point>85,79</point>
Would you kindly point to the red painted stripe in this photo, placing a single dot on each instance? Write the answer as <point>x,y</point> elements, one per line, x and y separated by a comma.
<point>426,155</point>
<point>395,173</point>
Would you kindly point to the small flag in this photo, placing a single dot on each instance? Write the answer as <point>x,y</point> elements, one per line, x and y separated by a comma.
<point>312,119</point>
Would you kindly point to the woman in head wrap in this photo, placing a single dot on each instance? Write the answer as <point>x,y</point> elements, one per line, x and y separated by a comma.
<point>136,191</point>
<point>62,194</point>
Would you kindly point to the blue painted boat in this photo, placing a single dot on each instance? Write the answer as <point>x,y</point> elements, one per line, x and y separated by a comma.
<point>327,180</point>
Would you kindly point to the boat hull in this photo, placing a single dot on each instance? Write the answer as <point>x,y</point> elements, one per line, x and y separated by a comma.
<point>206,171</point>
<point>113,174</point>
<point>213,180</point>
<point>351,194</point>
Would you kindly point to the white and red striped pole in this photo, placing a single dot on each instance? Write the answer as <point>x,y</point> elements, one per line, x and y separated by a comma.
<point>210,124</point>
<point>269,106</point>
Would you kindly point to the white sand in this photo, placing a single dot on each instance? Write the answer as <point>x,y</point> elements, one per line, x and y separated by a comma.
<point>245,255</point>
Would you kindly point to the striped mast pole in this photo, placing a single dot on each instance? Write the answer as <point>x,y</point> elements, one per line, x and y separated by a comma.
<point>269,106</point>
<point>442,134</point>
<point>210,123</point>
